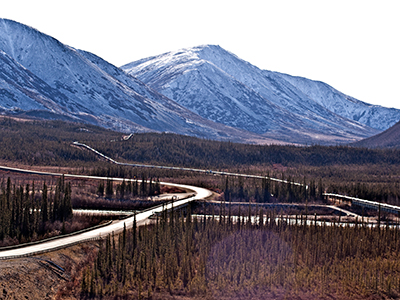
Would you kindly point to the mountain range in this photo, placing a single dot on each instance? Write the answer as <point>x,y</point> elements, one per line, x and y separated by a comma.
<point>202,91</point>
<point>42,77</point>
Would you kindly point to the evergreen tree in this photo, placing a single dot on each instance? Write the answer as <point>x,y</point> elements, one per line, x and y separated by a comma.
<point>100,189</point>
<point>321,190</point>
<point>44,207</point>
<point>109,188</point>
<point>67,208</point>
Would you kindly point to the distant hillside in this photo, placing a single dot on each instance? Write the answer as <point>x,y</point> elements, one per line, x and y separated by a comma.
<point>388,139</point>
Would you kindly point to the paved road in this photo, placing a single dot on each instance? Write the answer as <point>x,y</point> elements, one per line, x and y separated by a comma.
<point>116,226</point>
<point>310,205</point>
<point>366,203</point>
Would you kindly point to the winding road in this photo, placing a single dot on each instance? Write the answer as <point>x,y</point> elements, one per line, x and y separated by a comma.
<point>97,233</point>
<point>196,193</point>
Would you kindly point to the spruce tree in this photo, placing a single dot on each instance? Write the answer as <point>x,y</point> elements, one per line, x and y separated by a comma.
<point>44,207</point>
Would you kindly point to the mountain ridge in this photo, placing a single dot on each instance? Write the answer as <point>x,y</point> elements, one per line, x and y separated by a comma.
<point>87,88</point>
<point>226,80</point>
<point>238,72</point>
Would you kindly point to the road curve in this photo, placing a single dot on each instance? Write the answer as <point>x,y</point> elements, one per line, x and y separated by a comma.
<point>116,226</point>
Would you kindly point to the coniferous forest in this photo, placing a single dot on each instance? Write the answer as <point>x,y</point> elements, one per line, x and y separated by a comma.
<point>267,258</point>
<point>50,143</point>
<point>27,213</point>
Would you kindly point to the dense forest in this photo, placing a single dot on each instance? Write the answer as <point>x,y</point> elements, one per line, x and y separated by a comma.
<point>171,149</point>
<point>214,258</point>
<point>49,143</point>
<point>27,213</point>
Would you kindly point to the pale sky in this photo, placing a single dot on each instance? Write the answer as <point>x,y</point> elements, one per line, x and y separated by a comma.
<point>351,45</point>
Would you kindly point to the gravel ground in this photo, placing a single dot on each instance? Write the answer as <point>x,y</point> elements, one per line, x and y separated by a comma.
<point>41,277</point>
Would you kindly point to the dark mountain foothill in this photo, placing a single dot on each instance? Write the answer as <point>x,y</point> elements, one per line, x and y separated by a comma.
<point>390,138</point>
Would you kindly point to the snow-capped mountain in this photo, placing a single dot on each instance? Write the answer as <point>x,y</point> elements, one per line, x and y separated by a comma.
<point>39,73</point>
<point>218,85</point>
<point>203,91</point>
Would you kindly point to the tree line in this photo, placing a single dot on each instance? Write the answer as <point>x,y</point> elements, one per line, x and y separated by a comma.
<point>129,188</point>
<point>49,143</point>
<point>266,190</point>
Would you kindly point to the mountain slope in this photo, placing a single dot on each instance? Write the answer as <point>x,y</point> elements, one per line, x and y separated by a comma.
<point>218,85</point>
<point>390,138</point>
<point>375,116</point>
<point>61,79</point>
<point>19,87</point>
<point>87,88</point>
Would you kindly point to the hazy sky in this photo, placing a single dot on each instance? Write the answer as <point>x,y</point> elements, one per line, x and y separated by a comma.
<point>352,45</point>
